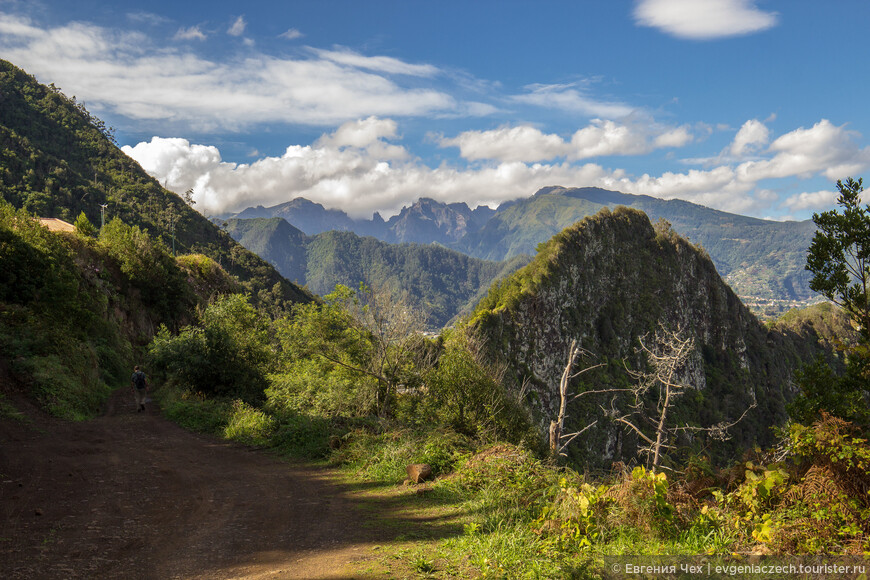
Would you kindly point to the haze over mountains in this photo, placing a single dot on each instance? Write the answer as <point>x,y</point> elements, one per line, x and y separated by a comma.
<point>762,260</point>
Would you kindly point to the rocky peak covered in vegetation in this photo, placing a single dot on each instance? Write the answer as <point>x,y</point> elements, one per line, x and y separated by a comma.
<point>611,280</point>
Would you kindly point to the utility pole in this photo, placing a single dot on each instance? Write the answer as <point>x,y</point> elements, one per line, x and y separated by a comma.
<point>103,207</point>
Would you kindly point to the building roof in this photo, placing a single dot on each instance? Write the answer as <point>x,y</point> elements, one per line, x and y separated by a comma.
<point>57,225</point>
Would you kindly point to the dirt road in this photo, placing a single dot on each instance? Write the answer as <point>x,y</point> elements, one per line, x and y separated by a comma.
<point>131,495</point>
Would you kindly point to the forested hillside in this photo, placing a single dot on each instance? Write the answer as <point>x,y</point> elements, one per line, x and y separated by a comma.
<point>58,160</point>
<point>78,310</point>
<point>439,282</point>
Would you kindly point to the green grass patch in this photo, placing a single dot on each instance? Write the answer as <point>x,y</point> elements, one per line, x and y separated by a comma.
<point>194,411</point>
<point>249,425</point>
<point>63,394</point>
<point>10,411</point>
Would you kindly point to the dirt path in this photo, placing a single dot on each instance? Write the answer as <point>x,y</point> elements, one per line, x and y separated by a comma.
<point>131,495</point>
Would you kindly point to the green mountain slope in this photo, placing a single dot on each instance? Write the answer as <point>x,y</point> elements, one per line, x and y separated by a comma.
<point>440,281</point>
<point>758,258</point>
<point>76,312</point>
<point>611,279</point>
<point>57,160</point>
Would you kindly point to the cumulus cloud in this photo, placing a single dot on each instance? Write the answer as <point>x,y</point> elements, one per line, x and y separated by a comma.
<point>603,138</point>
<point>703,19</point>
<point>508,144</point>
<point>823,149</point>
<point>128,74</point>
<point>750,138</point>
<point>361,168</point>
<point>811,201</point>
<point>600,138</point>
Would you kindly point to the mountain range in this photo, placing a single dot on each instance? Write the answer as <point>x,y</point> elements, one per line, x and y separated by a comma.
<point>441,283</point>
<point>762,260</point>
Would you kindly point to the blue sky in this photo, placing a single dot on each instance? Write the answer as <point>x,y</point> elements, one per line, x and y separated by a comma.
<point>753,107</point>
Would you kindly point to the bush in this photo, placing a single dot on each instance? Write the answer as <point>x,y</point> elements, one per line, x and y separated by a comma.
<point>228,355</point>
<point>309,385</point>
<point>301,435</point>
<point>249,425</point>
<point>470,397</point>
<point>194,410</point>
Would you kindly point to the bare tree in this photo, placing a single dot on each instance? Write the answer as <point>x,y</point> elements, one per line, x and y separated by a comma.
<point>667,355</point>
<point>557,445</point>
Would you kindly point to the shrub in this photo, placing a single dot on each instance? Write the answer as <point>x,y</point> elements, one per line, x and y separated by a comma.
<point>228,355</point>
<point>249,425</point>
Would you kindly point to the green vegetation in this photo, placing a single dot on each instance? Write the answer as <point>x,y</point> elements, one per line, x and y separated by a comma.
<point>75,310</point>
<point>438,281</point>
<point>758,258</point>
<point>608,281</point>
<point>839,256</point>
<point>838,260</point>
<point>353,380</point>
<point>58,160</point>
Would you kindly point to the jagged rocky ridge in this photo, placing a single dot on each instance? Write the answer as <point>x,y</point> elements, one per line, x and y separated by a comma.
<point>761,259</point>
<point>438,282</point>
<point>610,279</point>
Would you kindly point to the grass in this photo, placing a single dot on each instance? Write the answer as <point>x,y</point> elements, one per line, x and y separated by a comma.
<point>498,512</point>
<point>10,411</point>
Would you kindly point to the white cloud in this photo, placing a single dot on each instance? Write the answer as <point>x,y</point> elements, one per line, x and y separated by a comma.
<point>128,74</point>
<point>602,138</point>
<point>192,33</point>
<point>703,19</point>
<point>599,139</point>
<point>291,34</point>
<point>816,200</point>
<point>358,169</point>
<point>571,99</point>
<point>355,168</point>
<point>238,27</point>
<point>678,137</point>
<point>822,149</point>
<point>384,64</point>
<point>750,138</point>
<point>508,144</point>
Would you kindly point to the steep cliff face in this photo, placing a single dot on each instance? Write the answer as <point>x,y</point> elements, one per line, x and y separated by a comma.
<point>609,280</point>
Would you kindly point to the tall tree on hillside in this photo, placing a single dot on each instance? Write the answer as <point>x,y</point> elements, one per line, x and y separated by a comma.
<point>839,255</point>
<point>839,259</point>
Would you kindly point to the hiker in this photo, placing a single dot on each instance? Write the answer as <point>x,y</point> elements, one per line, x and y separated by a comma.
<point>139,386</point>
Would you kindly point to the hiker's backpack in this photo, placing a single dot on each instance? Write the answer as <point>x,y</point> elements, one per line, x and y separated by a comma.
<point>139,379</point>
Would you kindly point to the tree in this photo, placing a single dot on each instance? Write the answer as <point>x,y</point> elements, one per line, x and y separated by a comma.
<point>839,255</point>
<point>229,353</point>
<point>84,227</point>
<point>557,446</point>
<point>839,259</point>
<point>367,332</point>
<point>655,391</point>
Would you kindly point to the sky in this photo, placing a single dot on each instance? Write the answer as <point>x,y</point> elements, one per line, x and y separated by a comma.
<point>754,107</point>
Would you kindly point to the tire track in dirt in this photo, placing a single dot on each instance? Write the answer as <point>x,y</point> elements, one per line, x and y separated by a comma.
<point>131,495</point>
